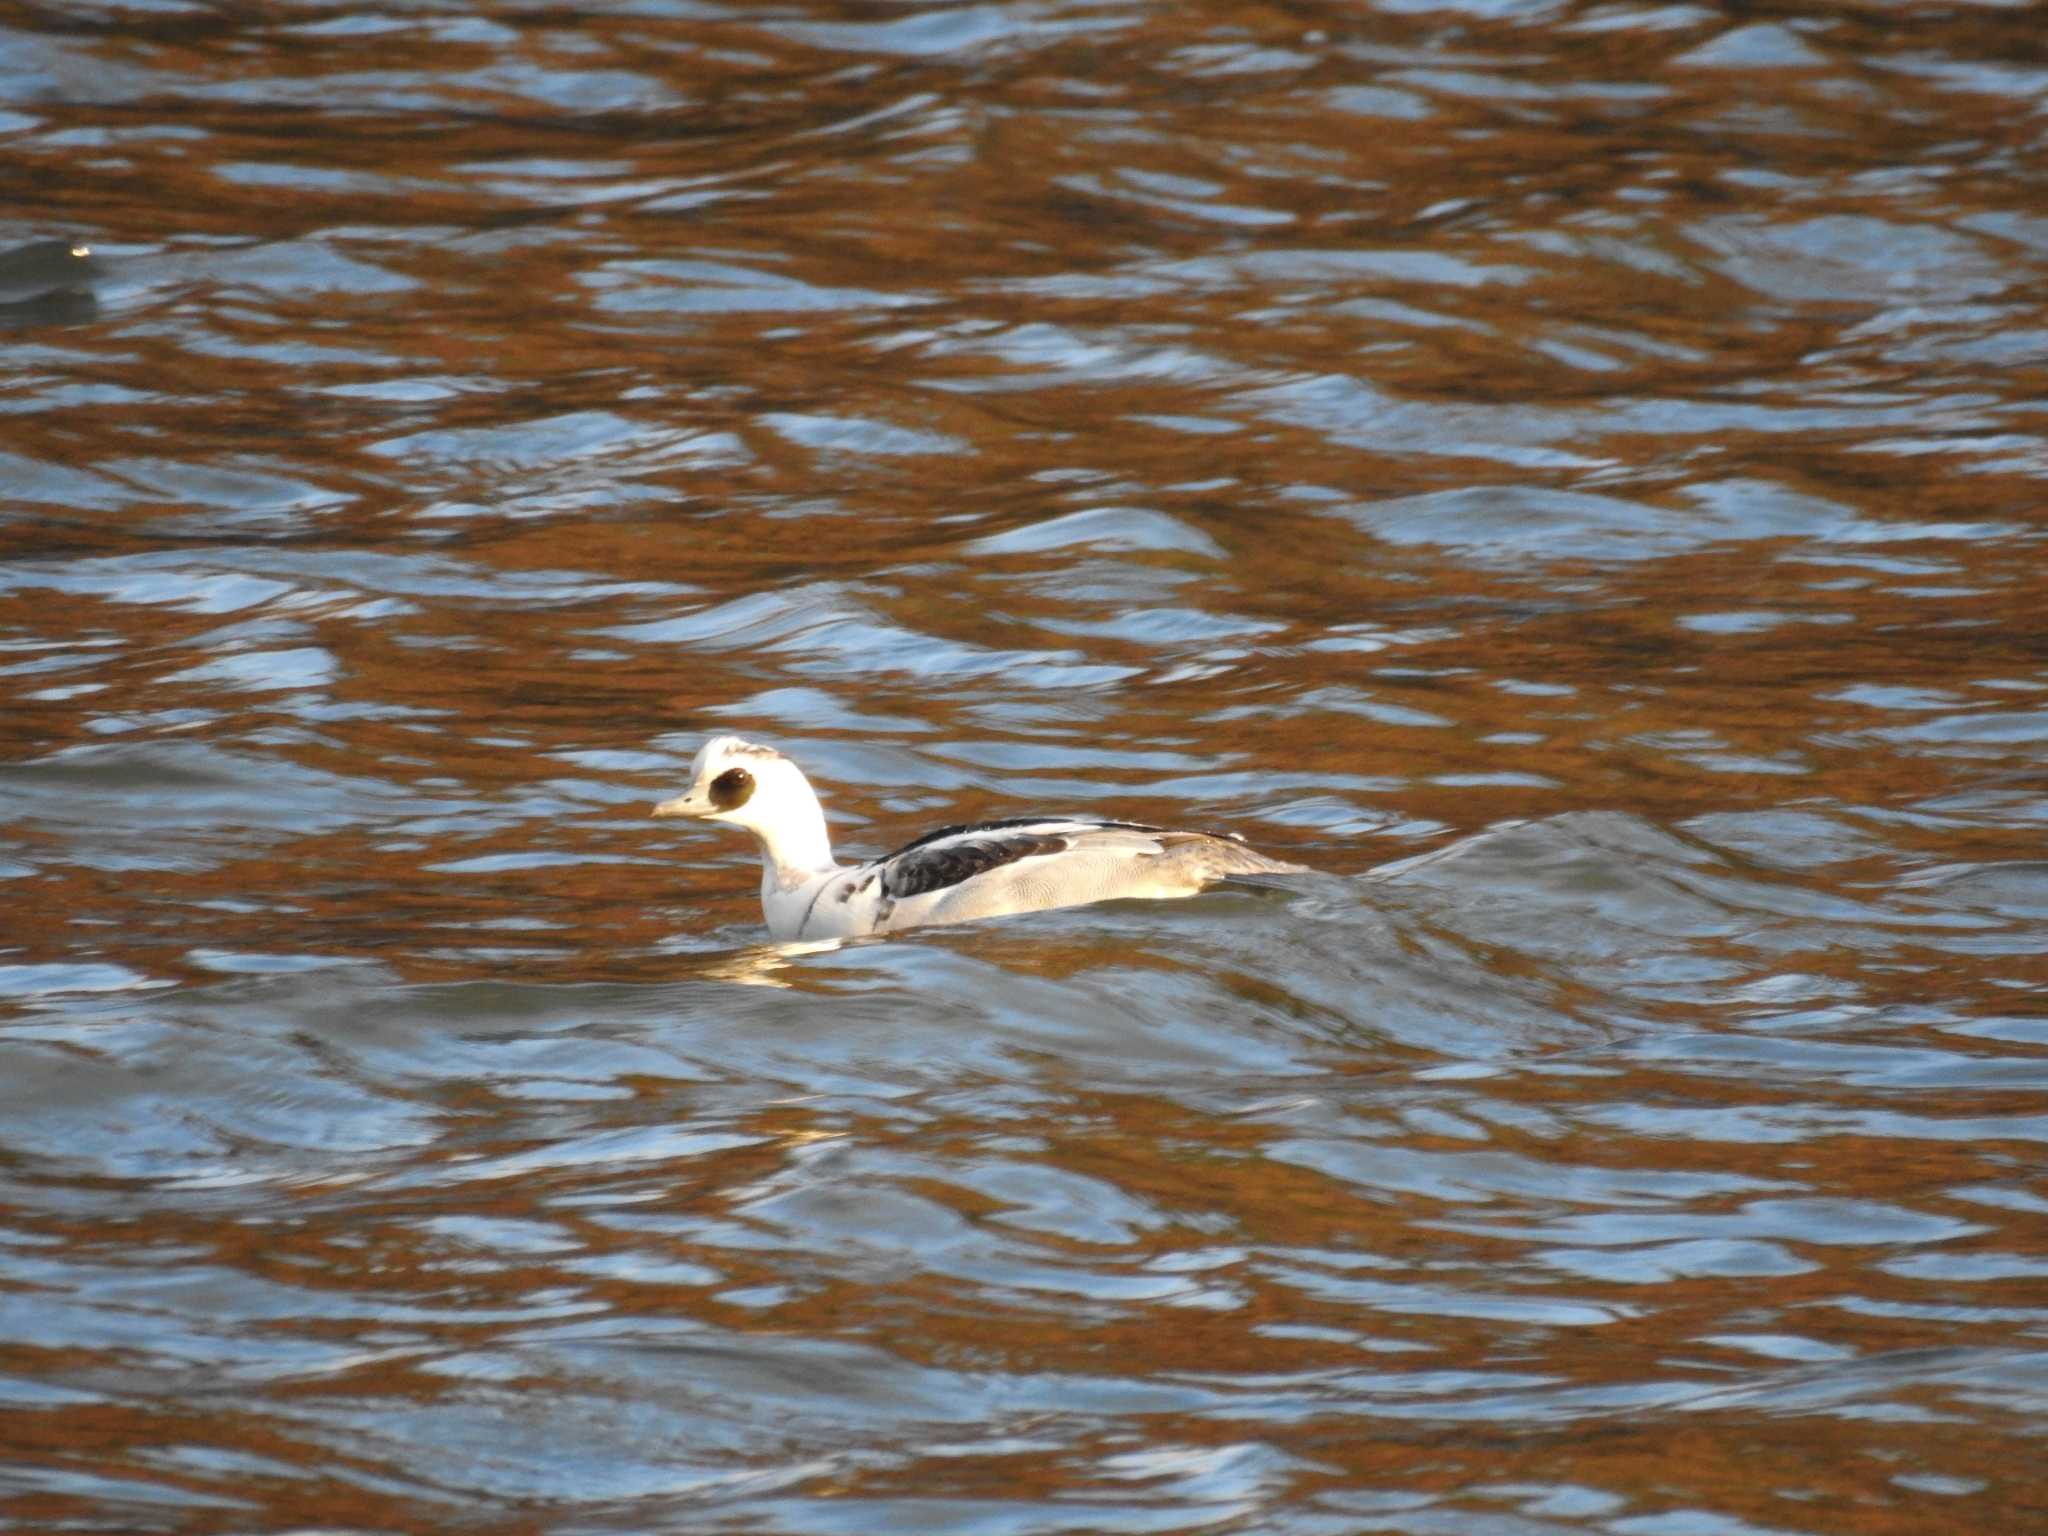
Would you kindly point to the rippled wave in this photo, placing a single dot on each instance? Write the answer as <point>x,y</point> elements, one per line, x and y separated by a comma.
<point>1570,476</point>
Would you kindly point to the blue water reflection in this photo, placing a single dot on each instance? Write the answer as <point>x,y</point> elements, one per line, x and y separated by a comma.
<point>1570,477</point>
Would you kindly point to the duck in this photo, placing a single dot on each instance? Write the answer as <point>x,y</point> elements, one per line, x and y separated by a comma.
<point>954,874</point>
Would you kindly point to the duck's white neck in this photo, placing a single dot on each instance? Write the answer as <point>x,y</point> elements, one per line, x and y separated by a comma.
<point>795,847</point>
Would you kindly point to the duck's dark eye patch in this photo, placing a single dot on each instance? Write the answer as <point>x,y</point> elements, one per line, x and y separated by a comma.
<point>732,789</point>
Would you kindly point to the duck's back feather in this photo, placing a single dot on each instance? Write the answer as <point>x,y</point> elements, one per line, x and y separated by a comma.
<point>1029,863</point>
<point>953,855</point>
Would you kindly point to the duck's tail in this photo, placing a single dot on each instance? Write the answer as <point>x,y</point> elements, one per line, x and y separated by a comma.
<point>1207,857</point>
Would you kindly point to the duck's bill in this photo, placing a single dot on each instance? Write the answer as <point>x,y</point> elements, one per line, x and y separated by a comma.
<point>684,805</point>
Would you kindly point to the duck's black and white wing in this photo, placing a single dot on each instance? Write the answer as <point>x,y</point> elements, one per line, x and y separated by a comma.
<point>954,856</point>
<point>1029,863</point>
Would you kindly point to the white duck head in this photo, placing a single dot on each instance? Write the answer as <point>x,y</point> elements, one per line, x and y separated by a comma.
<point>758,788</point>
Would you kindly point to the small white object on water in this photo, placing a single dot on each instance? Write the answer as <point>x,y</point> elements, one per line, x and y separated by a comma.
<point>953,875</point>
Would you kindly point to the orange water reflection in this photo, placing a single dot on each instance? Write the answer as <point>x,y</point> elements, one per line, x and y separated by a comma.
<point>1573,476</point>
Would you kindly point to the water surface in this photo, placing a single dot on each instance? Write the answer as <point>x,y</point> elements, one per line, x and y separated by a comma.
<point>1572,475</point>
